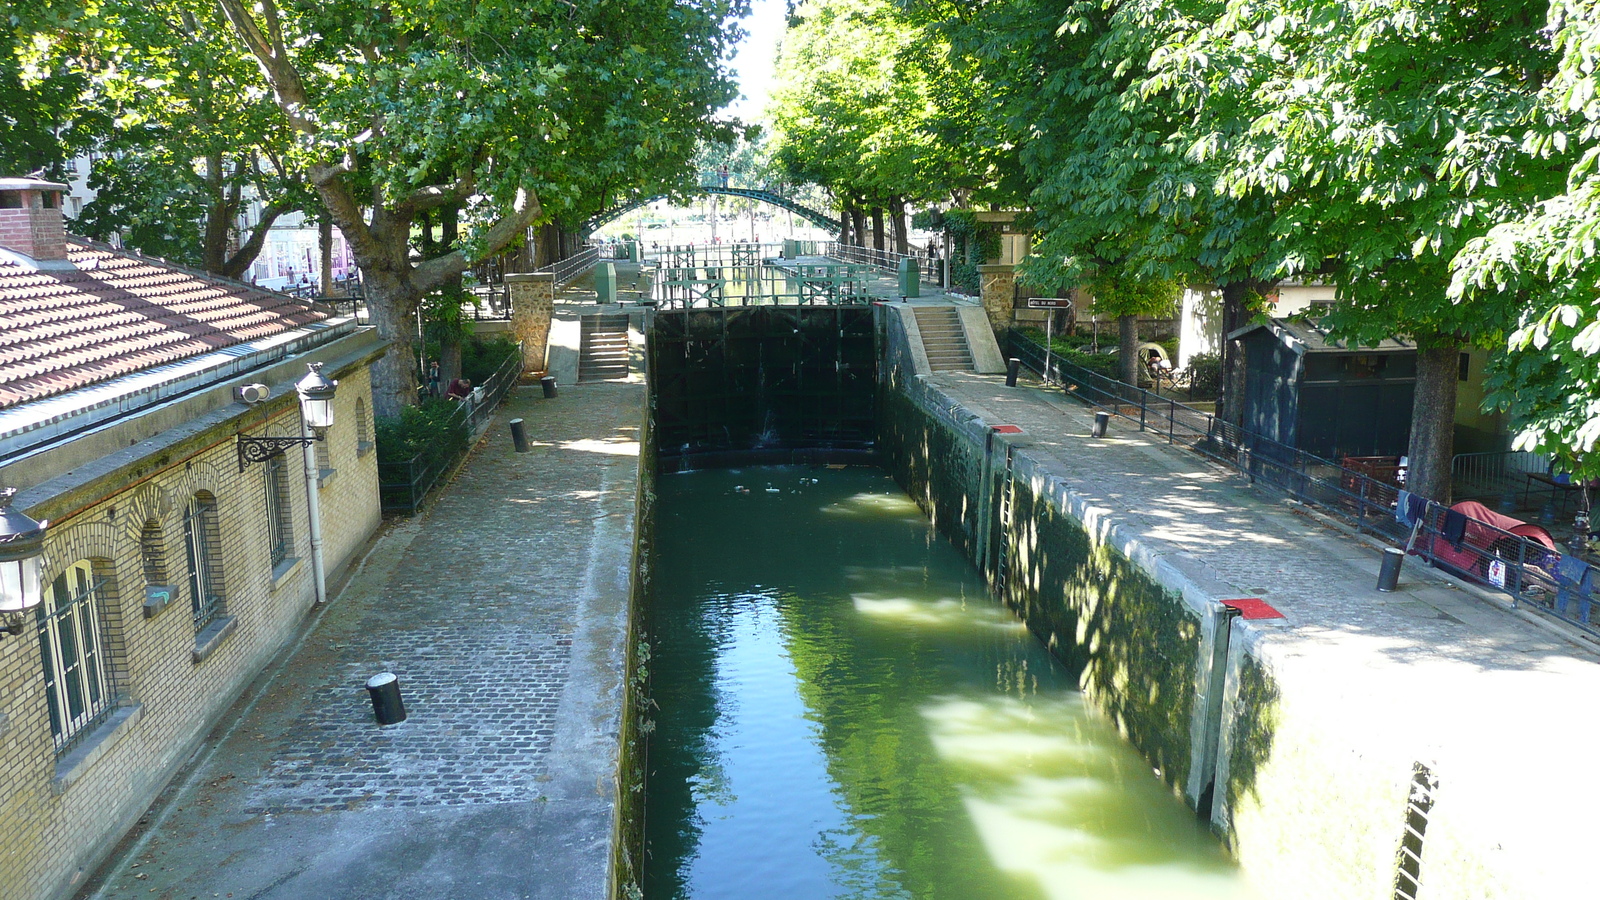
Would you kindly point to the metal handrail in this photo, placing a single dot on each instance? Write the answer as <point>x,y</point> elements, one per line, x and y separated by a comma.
<point>568,269</point>
<point>1559,584</point>
<point>931,269</point>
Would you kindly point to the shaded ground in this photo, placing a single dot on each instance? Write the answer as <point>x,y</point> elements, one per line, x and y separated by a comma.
<point>502,612</point>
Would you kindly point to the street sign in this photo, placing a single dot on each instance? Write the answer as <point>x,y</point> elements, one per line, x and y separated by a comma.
<point>1049,303</point>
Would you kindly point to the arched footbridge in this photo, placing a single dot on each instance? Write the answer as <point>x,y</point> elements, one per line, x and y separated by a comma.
<point>819,219</point>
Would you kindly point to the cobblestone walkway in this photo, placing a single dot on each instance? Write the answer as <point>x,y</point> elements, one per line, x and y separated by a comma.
<point>502,611</point>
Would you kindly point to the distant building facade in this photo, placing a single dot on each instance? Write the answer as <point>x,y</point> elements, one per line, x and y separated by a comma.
<point>173,572</point>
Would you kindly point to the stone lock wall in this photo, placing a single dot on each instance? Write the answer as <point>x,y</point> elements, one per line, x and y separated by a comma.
<point>1140,649</point>
<point>61,813</point>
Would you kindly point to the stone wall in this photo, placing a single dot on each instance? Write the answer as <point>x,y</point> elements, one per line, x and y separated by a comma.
<point>62,811</point>
<point>1141,644</point>
<point>533,298</point>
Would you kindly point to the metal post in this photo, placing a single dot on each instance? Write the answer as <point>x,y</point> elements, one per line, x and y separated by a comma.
<point>548,382</point>
<point>314,512</point>
<point>1101,421</point>
<point>1049,338</point>
<point>1389,573</point>
<point>519,437</point>
<point>386,703</point>
<point>1013,368</point>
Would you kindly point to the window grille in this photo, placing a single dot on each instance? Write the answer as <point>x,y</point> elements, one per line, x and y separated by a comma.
<point>80,688</point>
<point>153,553</point>
<point>275,482</point>
<point>203,544</point>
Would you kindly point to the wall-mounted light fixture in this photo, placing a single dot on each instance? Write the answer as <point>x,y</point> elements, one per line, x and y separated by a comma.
<point>316,410</point>
<point>21,554</point>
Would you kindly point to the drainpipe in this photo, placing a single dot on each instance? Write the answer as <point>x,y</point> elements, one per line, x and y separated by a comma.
<point>314,512</point>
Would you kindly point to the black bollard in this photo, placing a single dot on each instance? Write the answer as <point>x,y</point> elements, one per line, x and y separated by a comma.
<point>1013,366</point>
<point>549,384</point>
<point>385,691</point>
<point>1101,421</point>
<point>1389,574</point>
<point>519,437</point>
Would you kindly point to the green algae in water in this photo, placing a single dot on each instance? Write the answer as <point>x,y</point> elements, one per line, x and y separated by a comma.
<point>845,712</point>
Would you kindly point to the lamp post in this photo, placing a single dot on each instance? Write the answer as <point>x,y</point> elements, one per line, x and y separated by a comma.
<point>316,417</point>
<point>21,553</point>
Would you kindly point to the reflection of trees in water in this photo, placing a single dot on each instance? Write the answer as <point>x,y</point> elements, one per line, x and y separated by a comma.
<point>934,709</point>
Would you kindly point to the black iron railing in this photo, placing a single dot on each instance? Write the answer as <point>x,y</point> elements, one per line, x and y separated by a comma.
<point>402,486</point>
<point>1550,579</point>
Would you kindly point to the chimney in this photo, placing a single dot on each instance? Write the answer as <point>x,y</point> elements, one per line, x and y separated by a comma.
<point>31,222</point>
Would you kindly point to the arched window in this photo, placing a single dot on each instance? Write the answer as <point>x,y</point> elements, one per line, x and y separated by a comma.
<point>203,545</point>
<point>363,427</point>
<point>153,552</point>
<point>275,490</point>
<point>77,671</point>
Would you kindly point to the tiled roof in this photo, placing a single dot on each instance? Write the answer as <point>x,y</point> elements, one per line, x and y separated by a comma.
<point>118,313</point>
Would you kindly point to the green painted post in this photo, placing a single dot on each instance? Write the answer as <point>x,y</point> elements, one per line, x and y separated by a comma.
<point>605,282</point>
<point>910,278</point>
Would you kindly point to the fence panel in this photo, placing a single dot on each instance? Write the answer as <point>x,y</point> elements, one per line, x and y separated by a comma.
<point>403,485</point>
<point>1363,492</point>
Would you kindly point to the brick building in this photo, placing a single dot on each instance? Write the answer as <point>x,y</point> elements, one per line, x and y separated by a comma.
<point>173,570</point>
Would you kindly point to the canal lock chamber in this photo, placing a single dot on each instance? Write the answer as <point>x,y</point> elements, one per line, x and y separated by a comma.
<point>814,387</point>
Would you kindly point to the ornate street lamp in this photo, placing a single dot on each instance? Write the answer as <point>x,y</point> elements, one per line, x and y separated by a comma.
<point>316,411</point>
<point>316,417</point>
<point>316,397</point>
<point>21,552</point>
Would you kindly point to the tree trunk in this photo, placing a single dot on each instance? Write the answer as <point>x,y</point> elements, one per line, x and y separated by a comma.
<point>1235,313</point>
<point>1128,348</point>
<point>394,381</point>
<point>325,245</point>
<point>858,226</point>
<point>844,223</point>
<point>449,360</point>
<point>1433,421</point>
<point>450,335</point>
<point>902,237</point>
<point>545,246</point>
<point>877,228</point>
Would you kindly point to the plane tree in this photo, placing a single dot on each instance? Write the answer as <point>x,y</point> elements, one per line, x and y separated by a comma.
<point>1388,135</point>
<point>1548,256</point>
<point>192,137</point>
<point>511,113</point>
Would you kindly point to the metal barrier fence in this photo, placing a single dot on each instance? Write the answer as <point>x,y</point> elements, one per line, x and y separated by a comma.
<point>690,256</point>
<point>931,269</point>
<point>710,286</point>
<point>1494,476</point>
<point>490,303</point>
<point>570,268</point>
<point>1562,584</point>
<point>403,485</point>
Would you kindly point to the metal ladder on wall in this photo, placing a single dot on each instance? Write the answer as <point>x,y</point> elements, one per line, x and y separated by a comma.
<point>1002,543</point>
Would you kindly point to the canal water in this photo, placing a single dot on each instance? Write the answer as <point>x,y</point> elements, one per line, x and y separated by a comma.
<point>843,711</point>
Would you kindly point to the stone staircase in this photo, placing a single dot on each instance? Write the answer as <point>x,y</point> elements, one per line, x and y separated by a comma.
<point>603,348</point>
<point>943,339</point>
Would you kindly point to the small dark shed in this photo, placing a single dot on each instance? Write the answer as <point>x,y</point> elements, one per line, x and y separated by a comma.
<point>1324,397</point>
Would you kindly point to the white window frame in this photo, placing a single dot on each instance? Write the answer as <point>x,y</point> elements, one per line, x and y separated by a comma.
<point>78,675</point>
